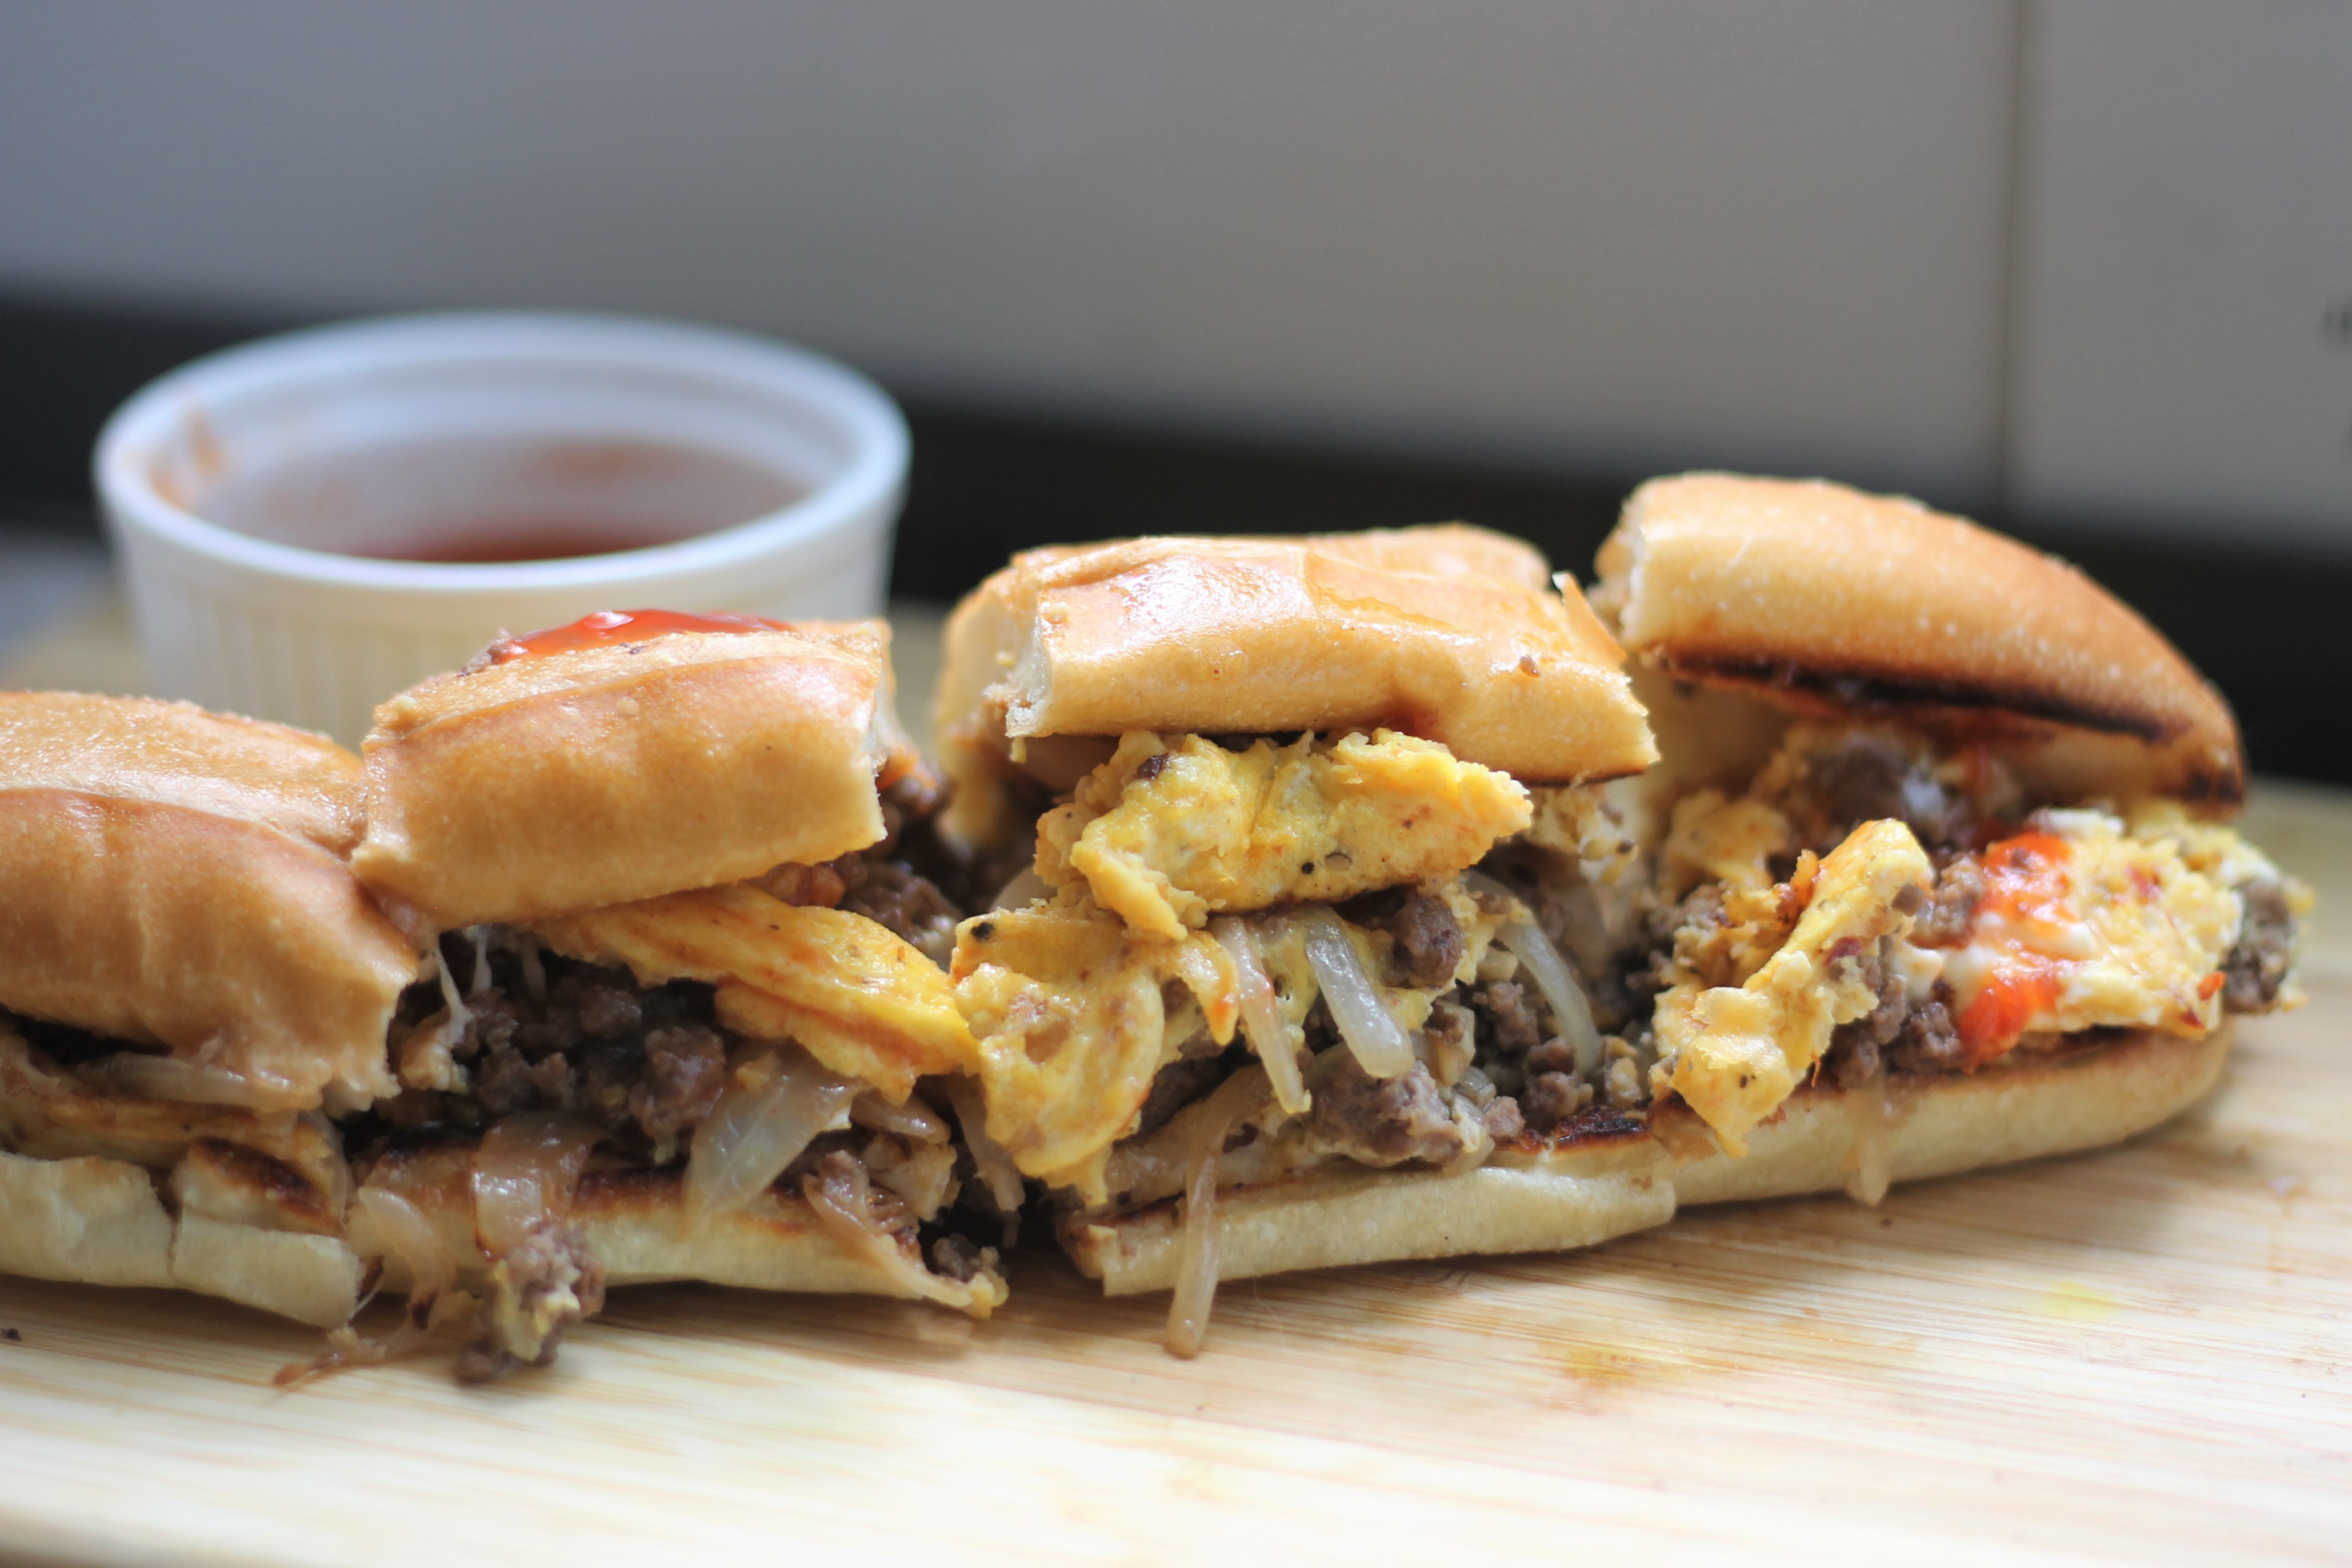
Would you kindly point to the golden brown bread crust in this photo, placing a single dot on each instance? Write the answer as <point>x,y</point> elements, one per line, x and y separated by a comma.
<point>175,882</point>
<point>176,753</point>
<point>602,775</point>
<point>1833,601</point>
<point>2022,1108</point>
<point>1446,633</point>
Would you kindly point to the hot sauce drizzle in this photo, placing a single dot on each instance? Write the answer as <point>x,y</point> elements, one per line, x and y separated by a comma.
<point>2026,886</point>
<point>608,626</point>
<point>2004,1006</point>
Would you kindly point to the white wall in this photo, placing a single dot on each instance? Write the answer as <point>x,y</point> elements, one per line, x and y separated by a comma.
<point>1604,235</point>
<point>2185,287</point>
<point>1620,235</point>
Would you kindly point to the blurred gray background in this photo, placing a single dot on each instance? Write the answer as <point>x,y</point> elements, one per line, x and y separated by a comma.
<point>2077,256</point>
<point>2081,266</point>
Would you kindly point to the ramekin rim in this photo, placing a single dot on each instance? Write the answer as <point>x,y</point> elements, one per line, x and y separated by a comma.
<point>878,445</point>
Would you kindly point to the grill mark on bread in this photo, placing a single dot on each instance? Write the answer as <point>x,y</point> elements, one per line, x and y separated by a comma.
<point>1867,689</point>
<point>1866,692</point>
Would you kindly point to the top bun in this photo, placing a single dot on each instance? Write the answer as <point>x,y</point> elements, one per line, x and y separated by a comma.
<point>172,877</point>
<point>1449,633</point>
<point>619,771</point>
<point>1830,602</point>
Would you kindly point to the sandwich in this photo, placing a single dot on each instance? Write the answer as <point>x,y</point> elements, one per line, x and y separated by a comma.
<point>1328,946</point>
<point>681,1018</point>
<point>192,990</point>
<point>1936,871</point>
<point>1234,795</point>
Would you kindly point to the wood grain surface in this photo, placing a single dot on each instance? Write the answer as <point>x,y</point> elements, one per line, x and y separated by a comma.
<point>2139,1355</point>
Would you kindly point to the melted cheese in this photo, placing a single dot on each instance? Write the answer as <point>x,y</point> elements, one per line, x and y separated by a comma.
<point>2081,926</point>
<point>1733,842</point>
<point>1073,1015</point>
<point>1735,1053</point>
<point>1174,829</point>
<point>1066,1009</point>
<point>859,999</point>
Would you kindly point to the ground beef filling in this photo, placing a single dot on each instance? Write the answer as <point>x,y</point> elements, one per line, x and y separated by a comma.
<point>2256,970</point>
<point>537,1288</point>
<point>889,892</point>
<point>1429,938</point>
<point>1894,1036</point>
<point>1539,1082</point>
<point>1869,777</point>
<point>545,1033</point>
<point>1425,942</point>
<point>1383,1122</point>
<point>1375,1121</point>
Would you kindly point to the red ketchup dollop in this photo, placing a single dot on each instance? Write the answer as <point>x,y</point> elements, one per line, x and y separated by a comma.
<point>608,626</point>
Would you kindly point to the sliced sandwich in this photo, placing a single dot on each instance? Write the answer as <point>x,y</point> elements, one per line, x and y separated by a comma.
<point>681,1020</point>
<point>193,987</point>
<point>1936,871</point>
<point>1234,793</point>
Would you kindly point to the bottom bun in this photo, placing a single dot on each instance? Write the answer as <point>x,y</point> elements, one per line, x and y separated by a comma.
<point>2023,1108</point>
<point>93,1221</point>
<point>636,1231</point>
<point>635,1226</point>
<point>1334,1215</point>
<point>99,1222</point>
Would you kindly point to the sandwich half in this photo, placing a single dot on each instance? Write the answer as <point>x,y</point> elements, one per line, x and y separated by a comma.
<point>681,1018</point>
<point>1234,793</point>
<point>1936,871</point>
<point>192,989</point>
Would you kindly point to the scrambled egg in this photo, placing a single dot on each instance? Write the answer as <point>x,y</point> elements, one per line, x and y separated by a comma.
<point>1598,826</point>
<point>1072,1026</point>
<point>2085,922</point>
<point>855,995</point>
<point>1075,1014</point>
<point>1174,829</point>
<point>2083,925</point>
<point>1735,1053</point>
<point>1729,841</point>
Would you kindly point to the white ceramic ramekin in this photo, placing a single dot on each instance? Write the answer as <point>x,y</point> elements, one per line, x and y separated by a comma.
<point>284,628</point>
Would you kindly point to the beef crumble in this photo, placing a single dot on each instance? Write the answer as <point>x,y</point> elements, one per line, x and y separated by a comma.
<point>894,883</point>
<point>1894,1035</point>
<point>643,1062</point>
<point>539,1288</point>
<point>2257,967</point>
<point>1181,1082</point>
<point>1383,1120</point>
<point>1429,938</point>
<point>1861,775</point>
<point>1425,942</point>
<point>1944,921</point>
<point>892,895</point>
<point>1508,1014</point>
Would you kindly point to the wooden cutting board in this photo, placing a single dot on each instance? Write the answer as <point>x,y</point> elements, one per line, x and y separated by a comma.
<point>2143,1355</point>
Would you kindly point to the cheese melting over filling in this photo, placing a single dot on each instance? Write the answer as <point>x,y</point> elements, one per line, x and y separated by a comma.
<point>1076,1013</point>
<point>1174,829</point>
